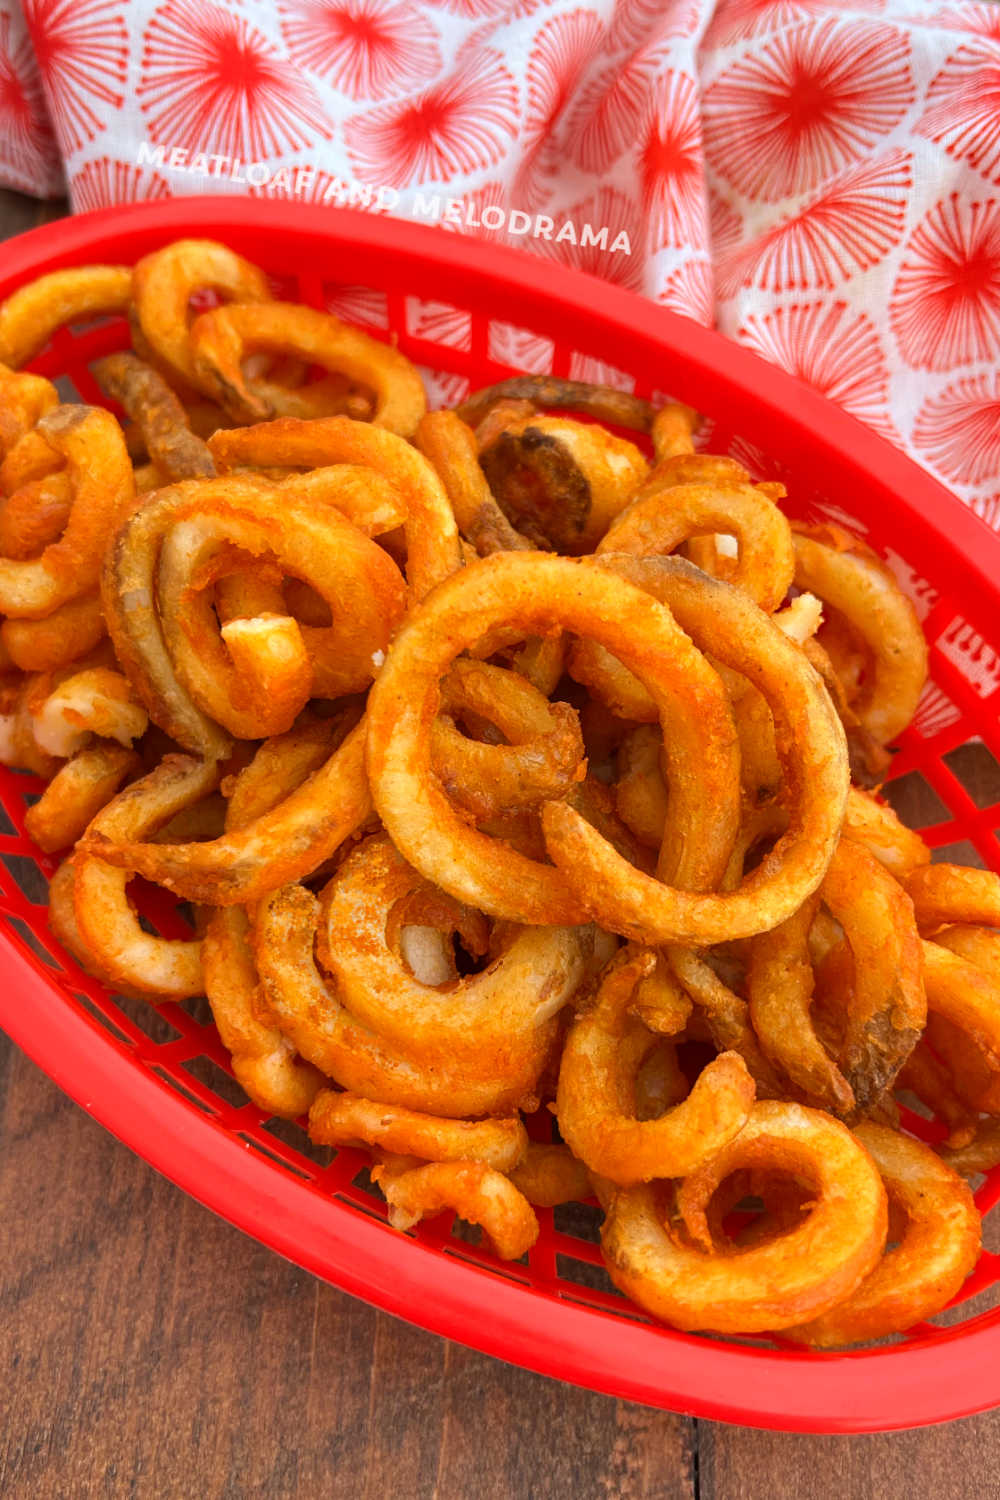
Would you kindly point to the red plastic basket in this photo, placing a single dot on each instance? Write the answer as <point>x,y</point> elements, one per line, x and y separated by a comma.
<point>469,312</point>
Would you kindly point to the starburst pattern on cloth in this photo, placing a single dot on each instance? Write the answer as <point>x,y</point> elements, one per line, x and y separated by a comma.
<point>212,79</point>
<point>958,430</point>
<point>963,107</point>
<point>835,350</point>
<point>28,153</point>
<point>787,115</point>
<point>461,124</point>
<point>670,165</point>
<point>82,51</point>
<point>849,227</point>
<point>564,49</point>
<point>363,48</point>
<point>945,307</point>
<point>106,181</point>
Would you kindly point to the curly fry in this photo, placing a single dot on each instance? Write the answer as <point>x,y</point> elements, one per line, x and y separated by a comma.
<point>100,477</point>
<point>163,284</point>
<point>31,315</point>
<point>149,402</point>
<point>116,948</point>
<point>347,1120</point>
<point>939,1246</point>
<point>308,1012</point>
<point>76,794</point>
<point>601,1057</point>
<point>541,593</point>
<point>814,760</point>
<point>476,1193</point>
<point>796,1275</point>
<point>221,339</point>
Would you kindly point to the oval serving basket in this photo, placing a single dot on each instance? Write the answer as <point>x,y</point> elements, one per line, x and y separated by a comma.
<point>470,313</point>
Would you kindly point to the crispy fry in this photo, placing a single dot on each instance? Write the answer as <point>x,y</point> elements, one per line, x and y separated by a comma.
<point>939,1245</point>
<point>163,284</point>
<point>595,1103</point>
<point>543,593</point>
<point>476,1193</point>
<point>69,632</point>
<point>600,401</point>
<point>814,761</point>
<point>665,515</point>
<point>432,540</point>
<point>221,339</point>
<point>561,482</point>
<point>30,317</point>
<point>76,794</point>
<point>802,1273</point>
<point>346,1120</point>
<point>953,893</point>
<point>100,477</point>
<point>848,578</point>
<point>116,948</point>
<point>149,401</point>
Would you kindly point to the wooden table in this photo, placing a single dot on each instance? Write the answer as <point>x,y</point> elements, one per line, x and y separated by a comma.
<point>149,1350</point>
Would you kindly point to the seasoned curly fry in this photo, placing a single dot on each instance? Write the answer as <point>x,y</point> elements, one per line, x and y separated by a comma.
<point>30,317</point>
<point>345,1120</point>
<point>603,1051</point>
<point>220,340</point>
<point>102,487</point>
<point>475,1192</point>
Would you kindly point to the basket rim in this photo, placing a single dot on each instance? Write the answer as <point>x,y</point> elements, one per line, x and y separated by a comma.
<point>959,1373</point>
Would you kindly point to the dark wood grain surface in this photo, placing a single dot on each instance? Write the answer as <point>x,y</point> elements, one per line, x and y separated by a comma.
<point>147,1349</point>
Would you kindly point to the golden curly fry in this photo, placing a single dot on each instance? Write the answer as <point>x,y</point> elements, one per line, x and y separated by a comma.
<point>873,823</point>
<point>543,756</point>
<point>100,479</point>
<point>117,948</point>
<point>307,1010</point>
<point>939,1245</point>
<point>163,284</point>
<point>62,637</point>
<point>888,1007</point>
<point>542,593</point>
<point>288,843</point>
<point>76,794</point>
<point>346,1120</point>
<point>780,989</point>
<point>501,1020</point>
<point>450,445</point>
<point>953,893</point>
<point>34,515</point>
<point>31,315</point>
<point>848,578</point>
<point>814,760</point>
<point>602,1054</point>
<point>433,549</point>
<point>550,1175</point>
<point>220,341</point>
<point>663,516</point>
<point>475,1192</point>
<point>797,1275</point>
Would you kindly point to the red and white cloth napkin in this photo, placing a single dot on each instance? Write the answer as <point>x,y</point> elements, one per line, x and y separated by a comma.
<point>820,178</point>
